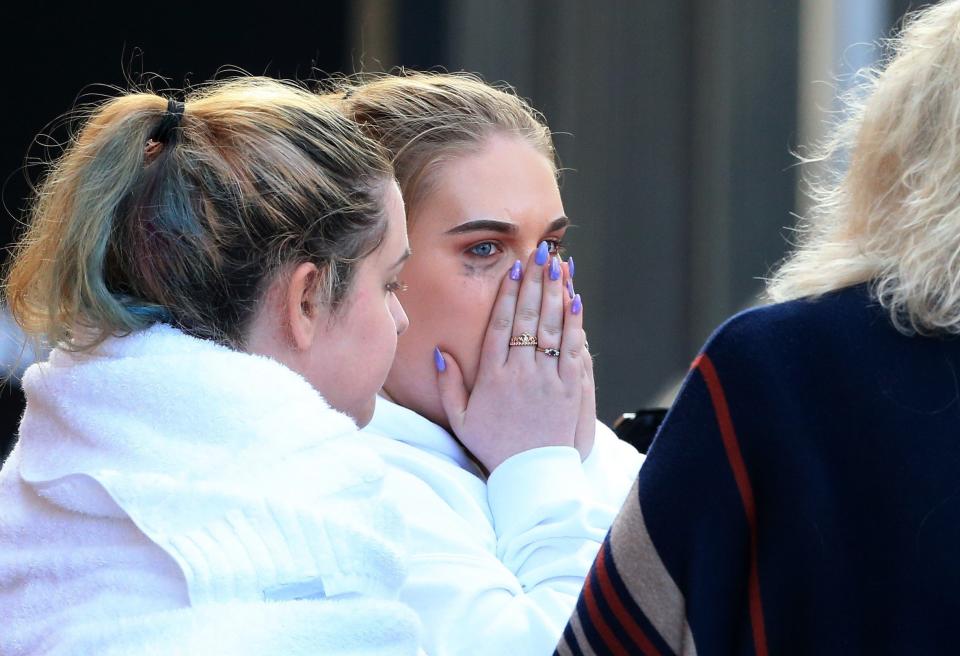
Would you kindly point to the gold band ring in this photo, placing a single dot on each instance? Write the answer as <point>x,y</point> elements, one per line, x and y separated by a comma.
<point>523,339</point>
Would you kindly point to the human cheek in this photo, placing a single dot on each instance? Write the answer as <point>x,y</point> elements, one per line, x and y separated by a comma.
<point>373,333</point>
<point>472,317</point>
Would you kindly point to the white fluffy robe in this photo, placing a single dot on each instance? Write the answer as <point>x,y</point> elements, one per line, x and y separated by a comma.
<point>171,496</point>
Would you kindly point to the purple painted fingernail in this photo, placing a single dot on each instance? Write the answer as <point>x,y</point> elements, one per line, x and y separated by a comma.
<point>543,250</point>
<point>570,266</point>
<point>570,287</point>
<point>516,270</point>
<point>577,305</point>
<point>438,360</point>
<point>555,268</point>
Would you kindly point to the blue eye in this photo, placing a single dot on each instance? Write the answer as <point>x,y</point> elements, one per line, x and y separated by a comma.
<point>485,249</point>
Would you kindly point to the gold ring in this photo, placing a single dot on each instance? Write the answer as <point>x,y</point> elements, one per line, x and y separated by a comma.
<point>523,339</point>
<point>552,352</point>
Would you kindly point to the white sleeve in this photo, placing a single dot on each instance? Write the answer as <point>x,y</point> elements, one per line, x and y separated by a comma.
<point>612,467</point>
<point>513,593</point>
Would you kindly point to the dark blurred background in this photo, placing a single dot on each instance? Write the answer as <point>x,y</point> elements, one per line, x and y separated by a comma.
<point>675,123</point>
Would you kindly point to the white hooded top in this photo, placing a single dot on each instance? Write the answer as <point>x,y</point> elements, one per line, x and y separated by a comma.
<point>496,565</point>
<point>171,496</point>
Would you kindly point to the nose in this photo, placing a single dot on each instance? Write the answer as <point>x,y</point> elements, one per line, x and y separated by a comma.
<point>399,316</point>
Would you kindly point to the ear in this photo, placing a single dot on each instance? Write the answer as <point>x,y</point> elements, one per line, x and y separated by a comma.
<point>302,307</point>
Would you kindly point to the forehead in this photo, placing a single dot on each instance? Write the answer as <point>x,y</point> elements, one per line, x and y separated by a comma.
<point>395,237</point>
<point>506,179</point>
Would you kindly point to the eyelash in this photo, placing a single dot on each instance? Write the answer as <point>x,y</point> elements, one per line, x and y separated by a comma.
<point>396,286</point>
<point>556,247</point>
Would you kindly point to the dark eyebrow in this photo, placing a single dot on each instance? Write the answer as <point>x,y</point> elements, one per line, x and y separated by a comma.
<point>503,227</point>
<point>407,253</point>
<point>479,225</point>
<point>559,224</point>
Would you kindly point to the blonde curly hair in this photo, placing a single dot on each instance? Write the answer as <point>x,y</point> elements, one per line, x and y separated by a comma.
<point>892,218</point>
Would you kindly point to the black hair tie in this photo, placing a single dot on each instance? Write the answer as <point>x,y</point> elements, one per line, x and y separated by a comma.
<point>166,130</point>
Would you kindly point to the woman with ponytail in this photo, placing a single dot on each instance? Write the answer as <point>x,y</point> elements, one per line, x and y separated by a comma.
<point>216,279</point>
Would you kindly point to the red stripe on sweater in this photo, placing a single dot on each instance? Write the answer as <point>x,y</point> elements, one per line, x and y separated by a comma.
<point>735,458</point>
<point>596,618</point>
<point>619,611</point>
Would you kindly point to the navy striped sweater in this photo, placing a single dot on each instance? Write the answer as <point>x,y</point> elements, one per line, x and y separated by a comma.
<point>801,497</point>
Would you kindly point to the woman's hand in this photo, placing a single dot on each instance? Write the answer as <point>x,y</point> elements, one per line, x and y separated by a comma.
<point>587,422</point>
<point>524,397</point>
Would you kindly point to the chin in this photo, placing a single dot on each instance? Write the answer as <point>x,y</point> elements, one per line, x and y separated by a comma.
<point>364,414</point>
